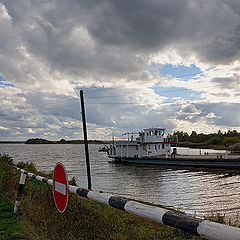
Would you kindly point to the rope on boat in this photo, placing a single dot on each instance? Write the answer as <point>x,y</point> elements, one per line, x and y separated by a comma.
<point>196,226</point>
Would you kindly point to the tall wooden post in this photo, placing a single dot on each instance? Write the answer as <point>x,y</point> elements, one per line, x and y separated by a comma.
<point>85,140</point>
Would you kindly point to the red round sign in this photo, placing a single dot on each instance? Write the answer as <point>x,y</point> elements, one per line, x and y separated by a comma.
<point>60,187</point>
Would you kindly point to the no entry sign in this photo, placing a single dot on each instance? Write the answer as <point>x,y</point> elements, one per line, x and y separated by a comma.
<point>60,187</point>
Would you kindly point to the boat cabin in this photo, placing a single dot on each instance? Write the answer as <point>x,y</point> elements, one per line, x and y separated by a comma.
<point>150,142</point>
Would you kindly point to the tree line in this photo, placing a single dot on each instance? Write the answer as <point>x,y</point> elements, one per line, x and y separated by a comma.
<point>217,140</point>
<point>62,141</point>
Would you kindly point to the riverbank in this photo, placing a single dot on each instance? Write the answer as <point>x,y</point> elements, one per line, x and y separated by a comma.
<point>84,219</point>
<point>202,146</point>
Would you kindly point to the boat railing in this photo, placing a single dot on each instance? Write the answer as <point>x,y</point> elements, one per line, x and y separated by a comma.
<point>126,142</point>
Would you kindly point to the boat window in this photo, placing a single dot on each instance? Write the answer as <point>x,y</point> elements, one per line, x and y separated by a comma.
<point>155,147</point>
<point>159,146</point>
<point>163,146</point>
<point>144,147</point>
<point>148,146</point>
<point>137,147</point>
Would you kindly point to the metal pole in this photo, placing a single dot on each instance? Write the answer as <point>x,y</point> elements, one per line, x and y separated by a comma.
<point>85,140</point>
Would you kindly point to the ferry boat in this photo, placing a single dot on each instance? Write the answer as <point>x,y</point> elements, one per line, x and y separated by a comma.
<point>153,147</point>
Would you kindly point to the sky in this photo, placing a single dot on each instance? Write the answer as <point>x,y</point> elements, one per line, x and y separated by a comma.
<point>172,64</point>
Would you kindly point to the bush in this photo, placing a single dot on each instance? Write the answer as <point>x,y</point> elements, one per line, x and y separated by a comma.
<point>216,218</point>
<point>30,167</point>
<point>235,147</point>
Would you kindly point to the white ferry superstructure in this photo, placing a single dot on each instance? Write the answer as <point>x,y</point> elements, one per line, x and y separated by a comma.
<point>151,142</point>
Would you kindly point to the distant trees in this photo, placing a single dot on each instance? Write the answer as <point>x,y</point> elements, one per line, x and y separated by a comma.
<point>62,141</point>
<point>225,139</point>
<point>37,141</point>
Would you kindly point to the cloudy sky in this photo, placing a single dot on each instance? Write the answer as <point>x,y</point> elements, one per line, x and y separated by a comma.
<point>141,63</point>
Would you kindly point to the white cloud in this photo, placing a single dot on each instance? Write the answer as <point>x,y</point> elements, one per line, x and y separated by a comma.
<point>29,130</point>
<point>3,128</point>
<point>16,133</point>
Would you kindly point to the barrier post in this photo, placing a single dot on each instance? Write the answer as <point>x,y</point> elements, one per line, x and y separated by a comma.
<point>20,190</point>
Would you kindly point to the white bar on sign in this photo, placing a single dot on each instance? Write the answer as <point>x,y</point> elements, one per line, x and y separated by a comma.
<point>61,188</point>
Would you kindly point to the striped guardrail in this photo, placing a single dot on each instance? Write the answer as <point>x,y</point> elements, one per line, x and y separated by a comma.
<point>195,226</point>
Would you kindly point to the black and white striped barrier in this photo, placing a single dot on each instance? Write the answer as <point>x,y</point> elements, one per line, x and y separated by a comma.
<point>196,226</point>
<point>20,190</point>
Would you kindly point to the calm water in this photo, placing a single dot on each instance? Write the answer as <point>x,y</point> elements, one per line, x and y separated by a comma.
<point>191,190</point>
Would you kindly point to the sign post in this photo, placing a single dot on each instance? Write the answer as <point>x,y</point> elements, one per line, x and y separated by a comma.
<point>60,187</point>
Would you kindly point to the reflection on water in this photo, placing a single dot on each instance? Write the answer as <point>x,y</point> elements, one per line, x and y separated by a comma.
<point>190,190</point>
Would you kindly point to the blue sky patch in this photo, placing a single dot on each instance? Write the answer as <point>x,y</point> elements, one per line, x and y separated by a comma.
<point>73,82</point>
<point>174,92</point>
<point>179,71</point>
<point>5,83</point>
<point>182,72</point>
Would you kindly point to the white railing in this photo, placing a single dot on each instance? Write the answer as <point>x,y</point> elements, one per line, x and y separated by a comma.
<point>196,226</point>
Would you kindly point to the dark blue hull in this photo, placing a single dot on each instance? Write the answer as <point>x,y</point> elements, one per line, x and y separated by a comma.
<point>183,161</point>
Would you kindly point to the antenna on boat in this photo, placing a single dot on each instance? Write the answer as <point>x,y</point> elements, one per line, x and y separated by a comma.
<point>132,133</point>
<point>113,136</point>
<point>127,133</point>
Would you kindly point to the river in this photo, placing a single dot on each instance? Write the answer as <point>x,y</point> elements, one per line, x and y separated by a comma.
<point>191,190</point>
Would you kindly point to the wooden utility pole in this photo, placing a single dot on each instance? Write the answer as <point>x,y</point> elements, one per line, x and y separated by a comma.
<point>85,140</point>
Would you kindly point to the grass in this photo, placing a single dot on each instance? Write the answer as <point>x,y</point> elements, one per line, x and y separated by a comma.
<point>10,224</point>
<point>38,218</point>
<point>221,218</point>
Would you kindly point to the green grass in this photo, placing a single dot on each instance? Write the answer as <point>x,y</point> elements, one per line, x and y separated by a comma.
<point>10,223</point>
<point>84,219</point>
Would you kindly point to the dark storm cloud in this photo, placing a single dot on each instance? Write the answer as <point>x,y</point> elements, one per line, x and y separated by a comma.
<point>57,32</point>
<point>209,29</point>
<point>109,38</point>
<point>228,83</point>
<point>225,114</point>
<point>142,25</point>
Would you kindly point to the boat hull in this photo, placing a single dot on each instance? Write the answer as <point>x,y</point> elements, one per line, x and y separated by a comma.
<point>186,161</point>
